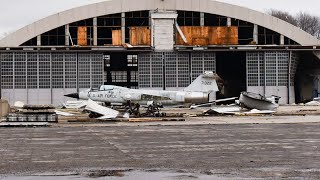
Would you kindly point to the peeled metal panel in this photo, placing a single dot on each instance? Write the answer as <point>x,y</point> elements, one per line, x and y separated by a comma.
<point>223,35</point>
<point>195,35</point>
<point>140,36</point>
<point>116,37</point>
<point>82,35</point>
<point>205,35</point>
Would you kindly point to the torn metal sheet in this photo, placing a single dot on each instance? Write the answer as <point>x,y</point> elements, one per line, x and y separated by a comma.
<point>224,110</point>
<point>106,113</point>
<point>212,102</point>
<point>63,113</point>
<point>256,111</point>
<point>181,33</point>
<point>74,104</point>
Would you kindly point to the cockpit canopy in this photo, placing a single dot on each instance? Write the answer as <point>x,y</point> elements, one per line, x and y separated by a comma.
<point>110,87</point>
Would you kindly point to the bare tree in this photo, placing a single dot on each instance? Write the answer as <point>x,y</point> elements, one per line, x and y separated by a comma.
<point>283,15</point>
<point>305,21</point>
<point>309,23</point>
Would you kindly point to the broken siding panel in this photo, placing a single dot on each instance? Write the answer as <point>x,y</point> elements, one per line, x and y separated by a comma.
<point>82,35</point>
<point>203,36</point>
<point>140,36</point>
<point>116,37</point>
<point>224,35</point>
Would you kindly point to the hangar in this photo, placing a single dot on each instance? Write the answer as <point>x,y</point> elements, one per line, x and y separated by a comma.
<point>158,44</point>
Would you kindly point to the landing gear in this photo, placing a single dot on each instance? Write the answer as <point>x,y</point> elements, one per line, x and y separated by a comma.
<point>152,110</point>
<point>133,108</point>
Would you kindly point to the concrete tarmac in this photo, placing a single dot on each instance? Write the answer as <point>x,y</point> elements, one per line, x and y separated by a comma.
<point>188,150</point>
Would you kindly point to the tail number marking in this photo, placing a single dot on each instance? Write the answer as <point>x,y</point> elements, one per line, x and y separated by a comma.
<point>206,83</point>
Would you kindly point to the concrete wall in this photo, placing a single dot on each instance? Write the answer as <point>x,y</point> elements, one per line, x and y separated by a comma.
<point>117,6</point>
<point>37,96</point>
<point>163,30</point>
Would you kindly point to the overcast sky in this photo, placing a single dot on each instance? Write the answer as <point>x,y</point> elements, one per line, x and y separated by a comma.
<point>15,14</point>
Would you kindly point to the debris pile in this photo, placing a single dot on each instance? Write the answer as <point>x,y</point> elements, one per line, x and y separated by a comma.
<point>34,113</point>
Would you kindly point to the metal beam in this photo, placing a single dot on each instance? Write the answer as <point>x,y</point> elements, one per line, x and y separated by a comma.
<point>123,28</point>
<point>181,33</point>
<point>39,40</point>
<point>95,31</point>
<point>67,37</point>
<point>202,19</point>
<point>255,33</point>
<point>228,21</point>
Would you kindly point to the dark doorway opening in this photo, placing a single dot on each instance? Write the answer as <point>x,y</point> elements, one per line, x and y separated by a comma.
<point>307,78</point>
<point>121,69</point>
<point>231,67</point>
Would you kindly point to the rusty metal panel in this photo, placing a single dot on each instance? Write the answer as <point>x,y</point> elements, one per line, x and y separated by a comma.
<point>204,35</point>
<point>140,36</point>
<point>116,37</point>
<point>195,35</point>
<point>82,35</point>
<point>224,35</point>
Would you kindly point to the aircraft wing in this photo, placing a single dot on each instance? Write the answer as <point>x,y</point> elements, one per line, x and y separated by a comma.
<point>106,113</point>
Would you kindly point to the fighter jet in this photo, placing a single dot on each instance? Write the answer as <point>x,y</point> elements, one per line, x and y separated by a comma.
<point>197,92</point>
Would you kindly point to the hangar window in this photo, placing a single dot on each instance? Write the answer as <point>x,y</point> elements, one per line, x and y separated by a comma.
<point>54,37</point>
<point>57,70</point>
<point>119,76</point>
<point>81,32</point>
<point>269,37</point>
<point>32,70</point>
<point>214,20</point>
<point>44,70</point>
<point>20,70</point>
<point>32,42</point>
<point>135,18</point>
<point>245,32</point>
<point>70,70</point>
<point>106,25</point>
<point>188,18</point>
<point>132,60</point>
<point>6,70</point>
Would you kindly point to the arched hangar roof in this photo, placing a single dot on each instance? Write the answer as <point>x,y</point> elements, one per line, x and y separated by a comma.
<point>117,6</point>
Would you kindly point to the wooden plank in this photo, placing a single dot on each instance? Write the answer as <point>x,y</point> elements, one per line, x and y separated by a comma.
<point>117,37</point>
<point>140,36</point>
<point>82,35</point>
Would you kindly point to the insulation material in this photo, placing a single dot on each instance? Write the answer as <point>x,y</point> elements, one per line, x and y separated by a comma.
<point>82,35</point>
<point>204,35</point>
<point>116,37</point>
<point>140,36</point>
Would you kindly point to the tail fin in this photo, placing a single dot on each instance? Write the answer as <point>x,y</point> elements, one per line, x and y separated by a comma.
<point>206,82</point>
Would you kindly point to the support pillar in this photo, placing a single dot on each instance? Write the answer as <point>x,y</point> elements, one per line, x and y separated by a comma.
<point>123,27</point>
<point>255,33</point>
<point>95,31</point>
<point>228,21</point>
<point>163,24</point>
<point>281,39</point>
<point>67,37</point>
<point>39,40</point>
<point>201,19</point>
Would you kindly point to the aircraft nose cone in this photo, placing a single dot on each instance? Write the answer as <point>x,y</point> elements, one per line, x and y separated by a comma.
<point>73,95</point>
